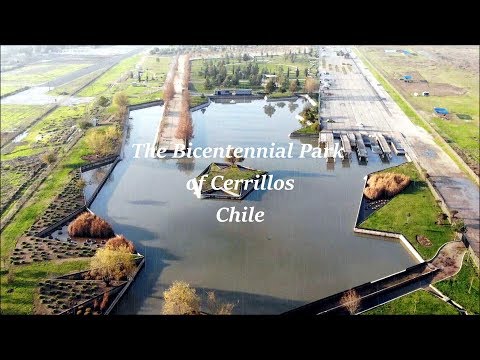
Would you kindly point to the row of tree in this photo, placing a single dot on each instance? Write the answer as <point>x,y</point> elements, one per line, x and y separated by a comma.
<point>185,124</point>
<point>169,85</point>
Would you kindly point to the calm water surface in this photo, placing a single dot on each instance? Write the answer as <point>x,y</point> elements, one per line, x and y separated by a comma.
<point>304,250</point>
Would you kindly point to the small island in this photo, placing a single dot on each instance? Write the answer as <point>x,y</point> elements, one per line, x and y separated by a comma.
<point>233,181</point>
<point>308,118</point>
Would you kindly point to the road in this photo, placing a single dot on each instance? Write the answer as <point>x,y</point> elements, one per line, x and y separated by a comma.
<point>358,98</point>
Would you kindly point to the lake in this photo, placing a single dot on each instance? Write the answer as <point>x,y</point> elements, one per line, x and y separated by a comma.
<point>304,250</point>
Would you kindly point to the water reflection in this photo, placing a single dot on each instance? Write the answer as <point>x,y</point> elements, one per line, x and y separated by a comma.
<point>304,250</point>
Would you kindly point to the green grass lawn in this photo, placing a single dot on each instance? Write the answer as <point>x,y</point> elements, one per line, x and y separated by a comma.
<point>51,187</point>
<point>38,73</point>
<point>418,201</point>
<point>25,283</point>
<point>313,129</point>
<point>197,100</point>
<point>464,287</point>
<point>20,116</point>
<point>419,302</point>
<point>8,89</point>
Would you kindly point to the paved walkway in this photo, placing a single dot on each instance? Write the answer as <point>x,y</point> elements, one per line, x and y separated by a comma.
<point>165,137</point>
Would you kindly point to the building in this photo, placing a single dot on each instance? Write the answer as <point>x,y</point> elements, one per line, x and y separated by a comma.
<point>233,92</point>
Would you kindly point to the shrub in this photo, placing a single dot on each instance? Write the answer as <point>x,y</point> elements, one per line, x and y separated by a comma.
<point>112,264</point>
<point>49,157</point>
<point>90,225</point>
<point>180,299</point>
<point>119,241</point>
<point>84,124</point>
<point>385,185</point>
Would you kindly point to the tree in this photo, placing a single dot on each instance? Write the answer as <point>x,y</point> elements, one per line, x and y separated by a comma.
<point>293,86</point>
<point>270,86</point>
<point>180,299</point>
<point>49,157</point>
<point>103,101</point>
<point>233,159</point>
<point>120,99</point>
<point>306,72</point>
<point>216,307</point>
<point>311,85</point>
<point>351,301</point>
<point>83,124</point>
<point>112,264</point>
<point>103,142</point>
<point>297,72</point>
<point>288,72</point>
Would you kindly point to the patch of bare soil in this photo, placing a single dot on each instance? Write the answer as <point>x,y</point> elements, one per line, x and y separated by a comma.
<point>423,240</point>
<point>449,260</point>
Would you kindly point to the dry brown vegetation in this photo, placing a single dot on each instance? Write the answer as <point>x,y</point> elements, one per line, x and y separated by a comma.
<point>185,124</point>
<point>181,299</point>
<point>311,85</point>
<point>120,241</point>
<point>385,185</point>
<point>351,301</point>
<point>90,225</point>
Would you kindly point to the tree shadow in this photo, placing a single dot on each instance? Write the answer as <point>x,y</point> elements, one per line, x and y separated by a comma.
<point>145,284</point>
<point>250,304</point>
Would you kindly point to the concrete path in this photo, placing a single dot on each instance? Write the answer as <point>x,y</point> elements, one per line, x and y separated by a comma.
<point>165,137</point>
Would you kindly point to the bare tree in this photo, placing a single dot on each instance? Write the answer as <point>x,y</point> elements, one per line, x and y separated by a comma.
<point>311,85</point>
<point>351,301</point>
<point>233,159</point>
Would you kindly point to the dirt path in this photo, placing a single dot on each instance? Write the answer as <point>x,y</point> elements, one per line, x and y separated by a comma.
<point>449,260</point>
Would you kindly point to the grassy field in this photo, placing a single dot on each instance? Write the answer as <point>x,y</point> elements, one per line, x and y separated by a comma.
<point>464,288</point>
<point>108,84</point>
<point>104,82</point>
<point>8,89</point>
<point>25,283</point>
<point>52,186</point>
<point>38,74</point>
<point>197,100</point>
<point>19,116</point>
<point>419,302</point>
<point>74,85</point>
<point>272,65</point>
<point>462,134</point>
<point>418,201</point>
<point>40,135</point>
<point>312,129</point>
